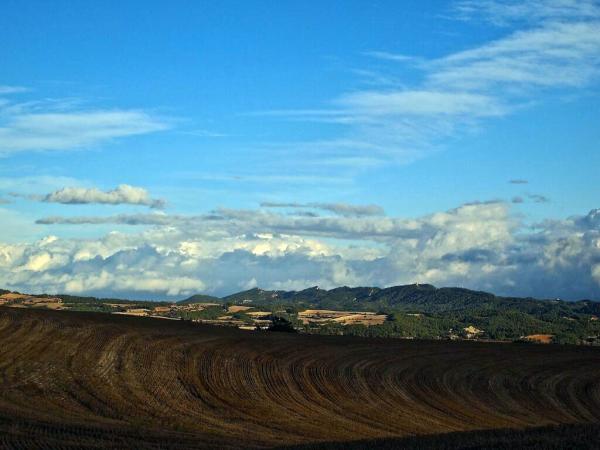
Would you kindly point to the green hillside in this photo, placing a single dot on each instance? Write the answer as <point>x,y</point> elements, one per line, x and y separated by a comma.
<point>423,298</point>
<point>424,311</point>
<point>199,298</point>
<point>413,311</point>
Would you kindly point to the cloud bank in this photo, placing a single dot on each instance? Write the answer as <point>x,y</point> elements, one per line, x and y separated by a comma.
<point>478,245</point>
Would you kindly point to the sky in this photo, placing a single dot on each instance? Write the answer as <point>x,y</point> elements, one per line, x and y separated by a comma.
<point>157,150</point>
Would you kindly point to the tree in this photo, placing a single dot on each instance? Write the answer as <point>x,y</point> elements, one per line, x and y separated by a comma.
<point>281,324</point>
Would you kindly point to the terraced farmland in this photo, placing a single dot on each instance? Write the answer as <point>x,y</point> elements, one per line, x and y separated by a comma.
<point>83,379</point>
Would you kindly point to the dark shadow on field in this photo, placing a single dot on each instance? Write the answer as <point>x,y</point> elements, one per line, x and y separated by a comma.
<point>26,434</point>
<point>15,434</point>
<point>561,437</point>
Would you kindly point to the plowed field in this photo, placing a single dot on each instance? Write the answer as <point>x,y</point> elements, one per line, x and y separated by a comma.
<point>85,379</point>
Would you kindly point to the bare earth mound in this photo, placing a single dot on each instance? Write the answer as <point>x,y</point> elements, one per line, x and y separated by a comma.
<point>76,379</point>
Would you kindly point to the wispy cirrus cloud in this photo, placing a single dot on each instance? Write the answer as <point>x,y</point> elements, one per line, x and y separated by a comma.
<point>65,124</point>
<point>505,12</point>
<point>264,178</point>
<point>4,89</point>
<point>63,131</point>
<point>396,57</point>
<point>420,103</point>
<point>551,55</point>
<point>549,46</point>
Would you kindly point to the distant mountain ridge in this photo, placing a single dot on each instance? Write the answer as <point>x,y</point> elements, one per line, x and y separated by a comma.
<point>418,297</point>
<point>424,311</point>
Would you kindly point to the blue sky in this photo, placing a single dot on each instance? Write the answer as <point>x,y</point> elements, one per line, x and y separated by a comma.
<point>264,127</point>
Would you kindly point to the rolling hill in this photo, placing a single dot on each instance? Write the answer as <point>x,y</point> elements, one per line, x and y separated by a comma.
<point>410,311</point>
<point>417,297</point>
<point>73,379</point>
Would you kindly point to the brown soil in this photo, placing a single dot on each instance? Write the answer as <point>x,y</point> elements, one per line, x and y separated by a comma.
<point>87,379</point>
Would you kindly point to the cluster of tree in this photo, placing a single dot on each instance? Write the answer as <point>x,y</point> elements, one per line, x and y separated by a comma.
<point>208,313</point>
<point>505,325</point>
<point>283,324</point>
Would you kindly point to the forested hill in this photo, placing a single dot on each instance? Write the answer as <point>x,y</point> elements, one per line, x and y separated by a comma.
<point>412,311</point>
<point>423,298</point>
<point>200,298</point>
<point>414,297</point>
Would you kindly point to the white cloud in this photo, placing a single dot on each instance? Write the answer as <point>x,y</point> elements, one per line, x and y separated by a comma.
<point>122,194</point>
<point>391,56</point>
<point>420,103</point>
<point>64,124</point>
<point>478,245</point>
<point>62,131</point>
<point>551,55</point>
<point>550,46</point>
<point>504,12</point>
